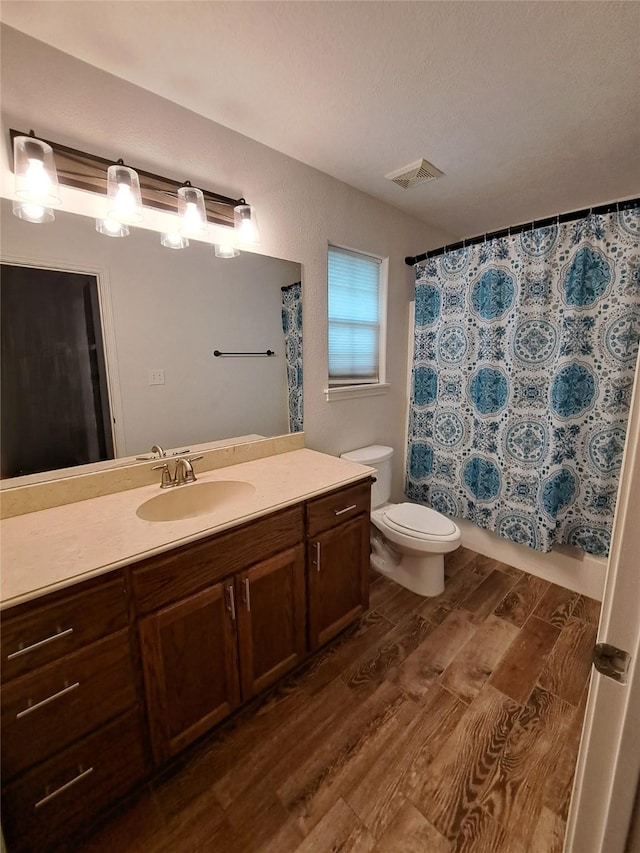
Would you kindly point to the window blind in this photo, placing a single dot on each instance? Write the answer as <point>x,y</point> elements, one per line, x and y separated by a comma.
<point>354,317</point>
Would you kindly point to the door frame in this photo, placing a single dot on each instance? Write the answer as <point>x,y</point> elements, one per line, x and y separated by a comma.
<point>608,767</point>
<point>109,343</point>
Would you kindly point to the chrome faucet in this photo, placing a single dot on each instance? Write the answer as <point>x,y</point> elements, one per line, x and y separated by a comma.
<point>183,472</point>
<point>157,449</point>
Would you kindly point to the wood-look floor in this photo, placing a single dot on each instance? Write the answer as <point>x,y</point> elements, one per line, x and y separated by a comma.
<point>446,724</point>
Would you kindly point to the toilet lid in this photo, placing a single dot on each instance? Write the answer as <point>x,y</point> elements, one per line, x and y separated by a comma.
<point>421,519</point>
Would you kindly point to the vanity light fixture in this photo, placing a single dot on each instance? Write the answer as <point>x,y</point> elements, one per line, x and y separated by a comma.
<point>127,190</point>
<point>35,171</point>
<point>193,216</point>
<point>124,202</point>
<point>112,228</point>
<point>173,240</point>
<point>36,179</point>
<point>225,250</point>
<point>246,224</point>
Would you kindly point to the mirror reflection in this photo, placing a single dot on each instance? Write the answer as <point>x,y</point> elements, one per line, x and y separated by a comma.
<point>108,345</point>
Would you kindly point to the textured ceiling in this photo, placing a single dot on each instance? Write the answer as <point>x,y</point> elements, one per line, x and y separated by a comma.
<point>529,108</point>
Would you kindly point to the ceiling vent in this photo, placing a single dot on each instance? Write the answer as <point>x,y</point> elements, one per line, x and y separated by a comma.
<point>415,173</point>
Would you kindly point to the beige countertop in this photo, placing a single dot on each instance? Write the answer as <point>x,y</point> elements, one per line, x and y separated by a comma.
<point>54,548</point>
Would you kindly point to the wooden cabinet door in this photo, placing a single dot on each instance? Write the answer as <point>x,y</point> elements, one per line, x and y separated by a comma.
<point>189,656</point>
<point>271,619</point>
<point>338,578</point>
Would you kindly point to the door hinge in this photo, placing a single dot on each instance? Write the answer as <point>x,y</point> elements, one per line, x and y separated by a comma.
<point>611,661</point>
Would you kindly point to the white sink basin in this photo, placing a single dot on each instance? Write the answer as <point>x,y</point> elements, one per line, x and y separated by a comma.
<point>193,500</point>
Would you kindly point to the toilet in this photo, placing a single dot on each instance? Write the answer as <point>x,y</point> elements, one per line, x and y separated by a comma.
<point>408,541</point>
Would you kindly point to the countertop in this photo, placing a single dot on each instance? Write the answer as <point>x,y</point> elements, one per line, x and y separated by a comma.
<point>53,548</point>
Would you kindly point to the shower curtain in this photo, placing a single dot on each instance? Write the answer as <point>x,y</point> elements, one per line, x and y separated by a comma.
<point>523,365</point>
<point>292,328</point>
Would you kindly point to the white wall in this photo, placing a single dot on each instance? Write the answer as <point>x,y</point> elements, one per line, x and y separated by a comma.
<point>170,310</point>
<point>300,210</point>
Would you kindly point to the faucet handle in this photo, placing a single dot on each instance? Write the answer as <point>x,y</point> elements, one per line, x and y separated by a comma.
<point>195,458</point>
<point>167,480</point>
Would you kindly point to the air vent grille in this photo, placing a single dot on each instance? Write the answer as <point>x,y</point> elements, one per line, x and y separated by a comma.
<point>415,173</point>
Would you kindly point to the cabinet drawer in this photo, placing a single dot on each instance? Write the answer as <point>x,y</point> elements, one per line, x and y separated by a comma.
<point>45,711</point>
<point>55,798</point>
<point>325,512</point>
<point>44,630</point>
<point>180,573</point>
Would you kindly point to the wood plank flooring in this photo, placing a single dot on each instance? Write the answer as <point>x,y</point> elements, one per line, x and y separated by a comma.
<point>432,726</point>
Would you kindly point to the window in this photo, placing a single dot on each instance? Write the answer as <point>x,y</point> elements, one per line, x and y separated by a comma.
<point>356,306</point>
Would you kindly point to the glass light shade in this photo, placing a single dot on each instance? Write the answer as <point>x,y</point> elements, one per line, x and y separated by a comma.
<point>173,240</point>
<point>246,224</point>
<point>225,250</point>
<point>31,212</point>
<point>192,213</point>
<point>35,171</point>
<point>124,203</point>
<point>112,228</point>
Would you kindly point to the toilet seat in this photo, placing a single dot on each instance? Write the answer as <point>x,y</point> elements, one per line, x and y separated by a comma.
<point>419,522</point>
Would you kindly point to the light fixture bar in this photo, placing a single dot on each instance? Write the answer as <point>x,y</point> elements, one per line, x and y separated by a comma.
<point>89,172</point>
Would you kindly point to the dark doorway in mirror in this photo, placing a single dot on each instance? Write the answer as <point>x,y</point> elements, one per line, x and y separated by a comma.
<point>54,401</point>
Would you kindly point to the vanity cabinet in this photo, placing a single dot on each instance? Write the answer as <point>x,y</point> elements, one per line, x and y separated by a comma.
<point>233,625</point>
<point>338,561</point>
<point>71,733</point>
<point>182,638</point>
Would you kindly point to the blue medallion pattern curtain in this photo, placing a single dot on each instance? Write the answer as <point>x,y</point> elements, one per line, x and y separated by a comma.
<point>292,328</point>
<point>524,360</point>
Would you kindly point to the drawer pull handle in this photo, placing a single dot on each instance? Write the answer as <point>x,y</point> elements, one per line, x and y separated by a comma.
<point>40,643</point>
<point>317,560</point>
<point>46,701</point>
<point>82,774</point>
<point>247,594</point>
<point>346,509</point>
<point>231,607</point>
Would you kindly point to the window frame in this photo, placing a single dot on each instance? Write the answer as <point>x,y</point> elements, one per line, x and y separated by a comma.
<point>341,389</point>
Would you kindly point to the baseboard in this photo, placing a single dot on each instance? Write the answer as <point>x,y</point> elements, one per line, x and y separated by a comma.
<point>565,566</point>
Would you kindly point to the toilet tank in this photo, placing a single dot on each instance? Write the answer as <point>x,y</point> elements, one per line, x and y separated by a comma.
<point>379,457</point>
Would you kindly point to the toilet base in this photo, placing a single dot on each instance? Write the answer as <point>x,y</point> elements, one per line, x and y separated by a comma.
<point>423,575</point>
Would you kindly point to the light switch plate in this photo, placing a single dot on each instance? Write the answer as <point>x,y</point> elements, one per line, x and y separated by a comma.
<point>156,377</point>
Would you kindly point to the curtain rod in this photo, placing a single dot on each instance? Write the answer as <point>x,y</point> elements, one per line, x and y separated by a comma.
<point>517,229</point>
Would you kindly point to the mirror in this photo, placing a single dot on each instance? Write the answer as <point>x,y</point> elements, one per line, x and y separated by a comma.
<point>163,313</point>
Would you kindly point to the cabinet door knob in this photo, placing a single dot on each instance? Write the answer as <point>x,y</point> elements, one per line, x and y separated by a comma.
<point>231,607</point>
<point>247,594</point>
